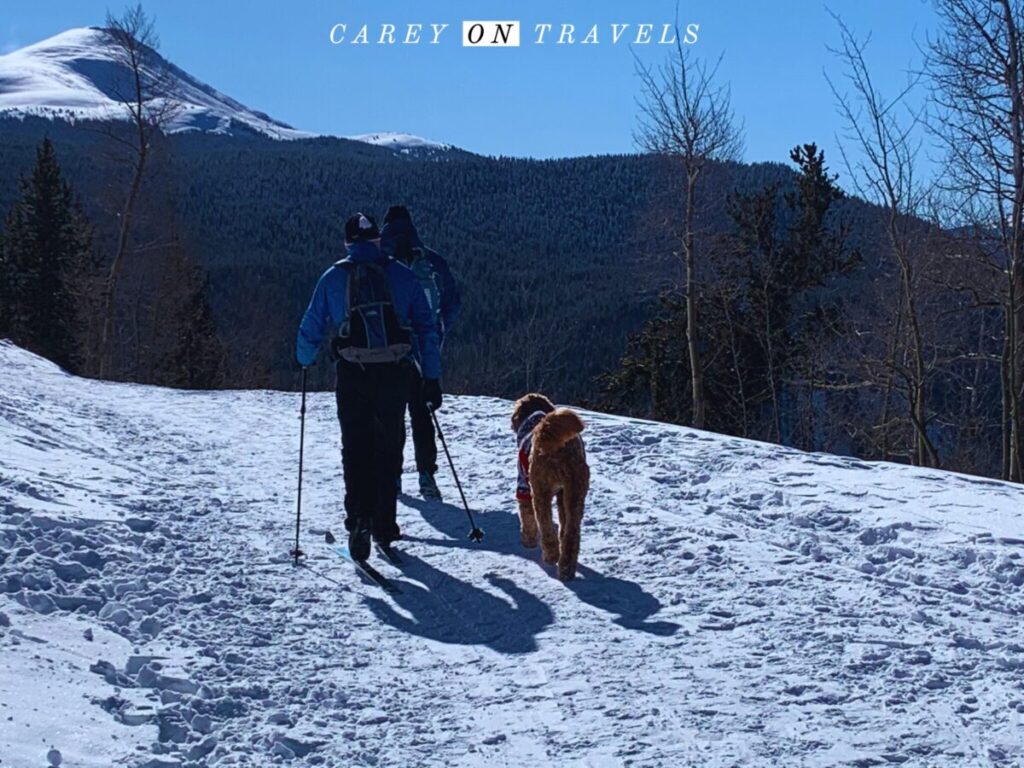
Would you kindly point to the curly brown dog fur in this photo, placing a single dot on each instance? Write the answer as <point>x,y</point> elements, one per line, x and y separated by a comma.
<point>558,471</point>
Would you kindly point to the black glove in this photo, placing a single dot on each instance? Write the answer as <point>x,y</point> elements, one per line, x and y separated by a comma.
<point>432,394</point>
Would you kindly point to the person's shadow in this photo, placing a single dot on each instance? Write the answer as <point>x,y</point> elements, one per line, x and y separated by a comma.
<point>632,606</point>
<point>451,611</point>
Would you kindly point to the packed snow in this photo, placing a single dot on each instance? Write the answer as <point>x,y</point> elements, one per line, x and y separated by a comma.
<point>76,76</point>
<point>738,603</point>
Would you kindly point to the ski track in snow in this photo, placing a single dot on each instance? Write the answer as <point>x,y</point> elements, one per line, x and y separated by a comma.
<point>738,603</point>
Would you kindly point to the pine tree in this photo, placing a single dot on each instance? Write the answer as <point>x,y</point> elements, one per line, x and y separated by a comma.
<point>185,349</point>
<point>198,354</point>
<point>817,243</point>
<point>766,309</point>
<point>46,248</point>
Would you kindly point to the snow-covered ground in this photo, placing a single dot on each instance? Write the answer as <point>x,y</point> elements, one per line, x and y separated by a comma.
<point>75,76</point>
<point>738,603</point>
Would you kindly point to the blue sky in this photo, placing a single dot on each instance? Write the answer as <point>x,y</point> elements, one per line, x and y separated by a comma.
<point>540,101</point>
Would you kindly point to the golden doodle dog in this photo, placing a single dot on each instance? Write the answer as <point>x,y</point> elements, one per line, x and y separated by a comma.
<point>552,466</point>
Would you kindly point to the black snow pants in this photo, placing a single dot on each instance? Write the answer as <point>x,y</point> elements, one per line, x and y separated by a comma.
<point>423,441</point>
<point>371,409</point>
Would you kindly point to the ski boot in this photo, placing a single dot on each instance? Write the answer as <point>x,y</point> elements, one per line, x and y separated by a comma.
<point>359,542</point>
<point>428,488</point>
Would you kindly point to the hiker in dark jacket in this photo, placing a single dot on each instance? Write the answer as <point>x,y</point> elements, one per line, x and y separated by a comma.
<point>373,372</point>
<point>400,240</point>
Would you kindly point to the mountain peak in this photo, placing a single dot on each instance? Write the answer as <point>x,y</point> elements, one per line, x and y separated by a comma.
<point>89,39</point>
<point>76,75</point>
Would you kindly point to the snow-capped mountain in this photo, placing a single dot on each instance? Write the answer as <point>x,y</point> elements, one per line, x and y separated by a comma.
<point>76,76</point>
<point>737,603</point>
<point>399,141</point>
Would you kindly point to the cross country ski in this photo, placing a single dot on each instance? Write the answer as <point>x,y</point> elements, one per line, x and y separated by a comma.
<point>362,566</point>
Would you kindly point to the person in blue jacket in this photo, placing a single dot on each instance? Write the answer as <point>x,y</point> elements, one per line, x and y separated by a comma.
<point>400,240</point>
<point>373,379</point>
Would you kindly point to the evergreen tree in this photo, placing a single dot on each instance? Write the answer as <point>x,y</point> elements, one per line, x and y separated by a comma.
<point>182,346</point>
<point>789,251</point>
<point>767,312</point>
<point>197,358</point>
<point>818,249</point>
<point>44,256</point>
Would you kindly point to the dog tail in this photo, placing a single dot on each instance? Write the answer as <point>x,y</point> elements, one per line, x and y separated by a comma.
<point>556,429</point>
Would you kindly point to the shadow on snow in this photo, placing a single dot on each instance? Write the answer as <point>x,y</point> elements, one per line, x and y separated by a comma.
<point>632,606</point>
<point>450,610</point>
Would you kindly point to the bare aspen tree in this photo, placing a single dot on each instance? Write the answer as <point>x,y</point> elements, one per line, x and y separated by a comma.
<point>543,354</point>
<point>144,89</point>
<point>685,115</point>
<point>884,136</point>
<point>976,68</point>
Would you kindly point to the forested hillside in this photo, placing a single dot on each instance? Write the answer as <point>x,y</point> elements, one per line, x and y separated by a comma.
<point>570,271</point>
<point>559,260</point>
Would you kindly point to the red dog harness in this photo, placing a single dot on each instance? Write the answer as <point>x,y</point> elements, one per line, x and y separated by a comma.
<point>524,437</point>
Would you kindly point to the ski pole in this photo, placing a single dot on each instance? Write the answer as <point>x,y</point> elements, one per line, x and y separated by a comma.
<point>297,553</point>
<point>475,534</point>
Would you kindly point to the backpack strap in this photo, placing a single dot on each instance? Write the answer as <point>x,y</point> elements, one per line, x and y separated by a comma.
<point>346,265</point>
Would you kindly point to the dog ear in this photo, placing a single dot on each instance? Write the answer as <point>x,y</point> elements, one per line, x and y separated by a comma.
<point>517,413</point>
<point>529,404</point>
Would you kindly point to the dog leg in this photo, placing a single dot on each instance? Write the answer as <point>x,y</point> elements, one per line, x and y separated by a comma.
<point>548,538</point>
<point>527,525</point>
<point>571,507</point>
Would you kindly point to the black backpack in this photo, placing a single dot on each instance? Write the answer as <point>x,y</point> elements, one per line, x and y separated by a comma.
<point>372,332</point>
<point>416,259</point>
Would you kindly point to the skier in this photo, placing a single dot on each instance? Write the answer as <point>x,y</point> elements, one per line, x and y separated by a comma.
<point>378,307</point>
<point>401,241</point>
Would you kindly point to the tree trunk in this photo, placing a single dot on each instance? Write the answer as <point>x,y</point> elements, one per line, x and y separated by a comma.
<point>737,365</point>
<point>1015,325</point>
<point>1006,395</point>
<point>110,290</point>
<point>138,113</point>
<point>1011,396</point>
<point>769,348</point>
<point>890,379</point>
<point>924,453</point>
<point>692,337</point>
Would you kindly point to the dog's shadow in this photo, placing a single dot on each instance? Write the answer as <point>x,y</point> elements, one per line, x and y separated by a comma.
<point>632,606</point>
<point>449,610</point>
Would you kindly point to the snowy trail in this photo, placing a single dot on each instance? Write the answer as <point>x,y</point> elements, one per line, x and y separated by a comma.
<point>738,603</point>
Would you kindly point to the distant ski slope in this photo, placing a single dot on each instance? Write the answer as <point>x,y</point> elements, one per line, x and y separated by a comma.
<point>75,76</point>
<point>739,603</point>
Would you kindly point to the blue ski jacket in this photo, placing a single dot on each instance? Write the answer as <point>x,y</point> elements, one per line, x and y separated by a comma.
<point>327,309</point>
